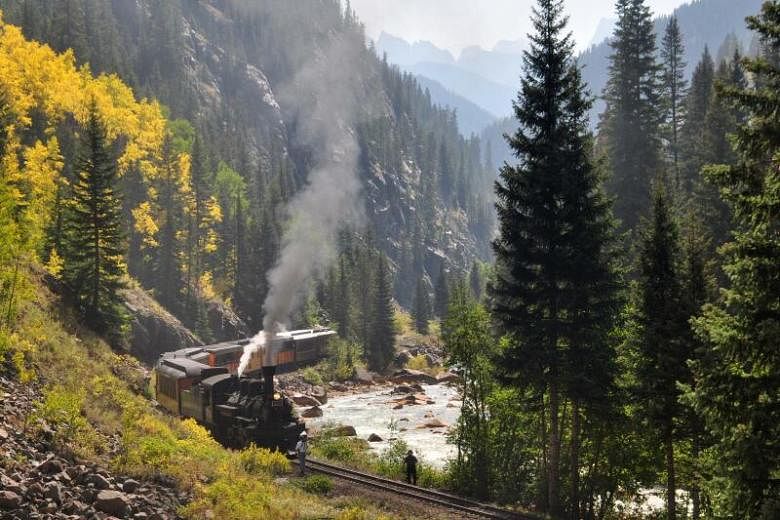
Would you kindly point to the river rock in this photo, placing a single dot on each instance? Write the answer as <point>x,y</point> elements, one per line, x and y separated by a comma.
<point>402,389</point>
<point>434,423</point>
<point>9,500</point>
<point>319,393</point>
<point>342,431</point>
<point>363,376</point>
<point>304,400</point>
<point>408,375</point>
<point>374,438</point>
<point>314,411</point>
<point>112,502</point>
<point>448,377</point>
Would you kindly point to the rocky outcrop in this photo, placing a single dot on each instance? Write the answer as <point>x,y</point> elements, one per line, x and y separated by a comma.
<point>154,330</point>
<point>36,482</point>
<point>225,324</point>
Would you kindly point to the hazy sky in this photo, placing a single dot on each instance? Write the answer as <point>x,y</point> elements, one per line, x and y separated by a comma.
<point>455,24</point>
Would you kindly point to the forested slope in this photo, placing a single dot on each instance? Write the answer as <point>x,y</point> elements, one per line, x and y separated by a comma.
<point>229,73</point>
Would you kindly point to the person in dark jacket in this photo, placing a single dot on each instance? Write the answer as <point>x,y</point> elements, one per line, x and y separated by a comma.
<point>411,467</point>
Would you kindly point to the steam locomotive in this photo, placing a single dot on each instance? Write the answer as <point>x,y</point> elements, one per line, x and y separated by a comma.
<point>201,383</point>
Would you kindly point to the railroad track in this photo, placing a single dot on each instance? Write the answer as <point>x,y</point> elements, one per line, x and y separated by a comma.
<point>427,495</point>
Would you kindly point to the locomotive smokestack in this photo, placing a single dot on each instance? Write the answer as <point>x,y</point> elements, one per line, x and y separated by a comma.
<point>268,383</point>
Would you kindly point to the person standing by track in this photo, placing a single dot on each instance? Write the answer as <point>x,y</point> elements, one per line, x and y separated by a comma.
<point>302,449</point>
<point>411,468</point>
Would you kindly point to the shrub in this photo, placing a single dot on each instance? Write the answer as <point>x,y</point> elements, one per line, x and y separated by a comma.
<point>317,484</point>
<point>260,461</point>
<point>312,376</point>
<point>418,363</point>
<point>62,409</point>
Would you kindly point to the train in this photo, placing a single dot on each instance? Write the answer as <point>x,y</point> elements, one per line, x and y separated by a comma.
<point>202,383</point>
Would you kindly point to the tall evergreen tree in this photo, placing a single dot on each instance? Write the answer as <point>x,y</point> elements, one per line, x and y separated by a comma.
<point>692,133</point>
<point>94,267</point>
<point>475,281</point>
<point>381,346</point>
<point>674,85</point>
<point>555,284</point>
<point>738,381</point>
<point>662,327</point>
<point>632,122</point>
<point>422,307</point>
<point>441,293</point>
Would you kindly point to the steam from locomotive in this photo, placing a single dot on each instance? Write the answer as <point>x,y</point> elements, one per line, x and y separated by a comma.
<point>330,199</point>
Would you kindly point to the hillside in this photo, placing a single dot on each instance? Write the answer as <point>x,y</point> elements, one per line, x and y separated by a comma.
<point>204,59</point>
<point>471,118</point>
<point>702,23</point>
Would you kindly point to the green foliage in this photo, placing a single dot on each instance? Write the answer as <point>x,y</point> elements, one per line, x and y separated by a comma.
<point>736,385</point>
<point>94,267</point>
<point>62,409</point>
<point>422,307</point>
<point>380,347</point>
<point>261,461</point>
<point>631,124</point>
<point>312,376</point>
<point>555,292</point>
<point>469,345</point>
<point>317,484</point>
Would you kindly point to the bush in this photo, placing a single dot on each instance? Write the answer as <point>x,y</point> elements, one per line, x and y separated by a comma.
<point>341,449</point>
<point>317,484</point>
<point>62,409</point>
<point>312,376</point>
<point>261,461</point>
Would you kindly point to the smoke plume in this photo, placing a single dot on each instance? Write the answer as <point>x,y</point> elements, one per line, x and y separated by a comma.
<point>325,98</point>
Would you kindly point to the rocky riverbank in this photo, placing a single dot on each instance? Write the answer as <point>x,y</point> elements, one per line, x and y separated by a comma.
<point>38,482</point>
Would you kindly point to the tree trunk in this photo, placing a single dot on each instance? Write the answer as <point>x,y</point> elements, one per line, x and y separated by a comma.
<point>671,486</point>
<point>553,486</point>
<point>695,495</point>
<point>575,460</point>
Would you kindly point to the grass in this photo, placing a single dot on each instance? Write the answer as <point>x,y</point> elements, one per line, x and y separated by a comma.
<point>91,392</point>
<point>355,453</point>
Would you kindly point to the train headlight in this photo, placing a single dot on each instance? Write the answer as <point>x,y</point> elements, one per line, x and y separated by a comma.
<point>277,396</point>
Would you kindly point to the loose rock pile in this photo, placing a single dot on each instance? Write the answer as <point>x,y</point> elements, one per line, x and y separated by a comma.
<point>37,483</point>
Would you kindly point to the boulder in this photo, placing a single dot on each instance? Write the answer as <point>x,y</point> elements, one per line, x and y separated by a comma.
<point>112,502</point>
<point>448,377</point>
<point>433,423</point>
<point>130,485</point>
<point>408,375</point>
<point>50,467</point>
<point>304,400</point>
<point>398,406</point>
<point>53,491</point>
<point>338,387</point>
<point>402,358</point>
<point>319,393</point>
<point>363,376</point>
<point>374,438</point>
<point>314,411</point>
<point>342,431</point>
<point>403,389</point>
<point>9,500</point>
<point>98,480</point>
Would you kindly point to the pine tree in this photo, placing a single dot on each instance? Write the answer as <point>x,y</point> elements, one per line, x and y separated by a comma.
<point>737,385</point>
<point>692,133</point>
<point>555,286</point>
<point>94,267</point>
<point>441,293</point>
<point>661,329</point>
<point>381,346</point>
<point>674,85</point>
<point>632,122</point>
<point>422,307</point>
<point>475,281</point>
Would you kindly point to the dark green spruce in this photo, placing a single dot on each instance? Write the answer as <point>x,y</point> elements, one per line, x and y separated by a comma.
<point>632,122</point>
<point>93,253</point>
<point>554,292</point>
<point>738,382</point>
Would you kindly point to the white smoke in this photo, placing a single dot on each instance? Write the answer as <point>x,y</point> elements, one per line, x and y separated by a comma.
<point>325,96</point>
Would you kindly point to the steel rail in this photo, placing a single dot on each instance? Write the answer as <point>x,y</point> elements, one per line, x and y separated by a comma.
<point>429,495</point>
